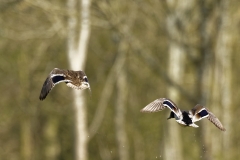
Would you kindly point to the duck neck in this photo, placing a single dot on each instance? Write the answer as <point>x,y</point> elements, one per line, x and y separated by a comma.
<point>172,115</point>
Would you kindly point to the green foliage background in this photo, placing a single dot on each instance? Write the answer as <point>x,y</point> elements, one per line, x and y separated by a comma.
<point>33,42</point>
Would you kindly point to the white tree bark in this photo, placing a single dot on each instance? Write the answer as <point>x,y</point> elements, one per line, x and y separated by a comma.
<point>77,47</point>
<point>120,117</point>
<point>223,56</point>
<point>207,82</point>
<point>173,141</point>
<point>215,107</point>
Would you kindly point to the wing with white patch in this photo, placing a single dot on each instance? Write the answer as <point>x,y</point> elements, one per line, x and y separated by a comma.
<point>56,76</point>
<point>173,107</point>
<point>199,112</point>
<point>181,122</point>
<point>194,125</point>
<point>81,87</point>
<point>160,104</point>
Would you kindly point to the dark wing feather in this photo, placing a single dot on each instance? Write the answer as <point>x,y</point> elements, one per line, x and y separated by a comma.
<point>56,76</point>
<point>172,106</point>
<point>215,121</point>
<point>154,106</point>
<point>46,88</point>
<point>199,112</point>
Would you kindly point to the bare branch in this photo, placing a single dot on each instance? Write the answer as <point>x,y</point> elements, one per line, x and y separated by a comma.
<point>106,94</point>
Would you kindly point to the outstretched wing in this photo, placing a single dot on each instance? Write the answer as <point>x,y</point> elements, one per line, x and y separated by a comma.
<point>198,112</point>
<point>154,106</point>
<point>160,104</point>
<point>215,121</point>
<point>56,76</point>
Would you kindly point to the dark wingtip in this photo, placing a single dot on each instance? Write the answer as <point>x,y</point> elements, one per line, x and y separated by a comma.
<point>46,88</point>
<point>41,97</point>
<point>44,92</point>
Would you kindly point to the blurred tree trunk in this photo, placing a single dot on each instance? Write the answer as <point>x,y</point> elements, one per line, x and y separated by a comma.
<point>175,28</point>
<point>223,77</point>
<point>173,142</point>
<point>26,142</point>
<point>120,122</point>
<point>26,148</point>
<point>77,47</point>
<point>106,95</point>
<point>205,88</point>
<point>205,72</point>
<point>52,148</point>
<point>215,107</point>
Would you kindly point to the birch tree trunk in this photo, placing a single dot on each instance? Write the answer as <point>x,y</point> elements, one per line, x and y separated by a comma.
<point>173,144</point>
<point>52,148</point>
<point>121,109</point>
<point>26,150</point>
<point>206,91</point>
<point>205,76</point>
<point>223,78</point>
<point>77,47</point>
<point>173,141</point>
<point>215,107</point>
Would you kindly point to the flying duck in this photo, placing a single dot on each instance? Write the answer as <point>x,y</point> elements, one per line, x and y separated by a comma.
<point>73,79</point>
<point>185,118</point>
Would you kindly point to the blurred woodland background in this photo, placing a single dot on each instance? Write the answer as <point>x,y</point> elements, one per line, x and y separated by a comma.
<point>137,51</point>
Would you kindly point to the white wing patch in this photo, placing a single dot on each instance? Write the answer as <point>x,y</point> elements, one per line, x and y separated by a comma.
<point>196,117</point>
<point>54,75</point>
<point>181,122</point>
<point>194,125</point>
<point>61,82</point>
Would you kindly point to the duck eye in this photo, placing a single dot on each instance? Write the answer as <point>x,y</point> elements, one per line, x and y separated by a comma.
<point>85,79</point>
